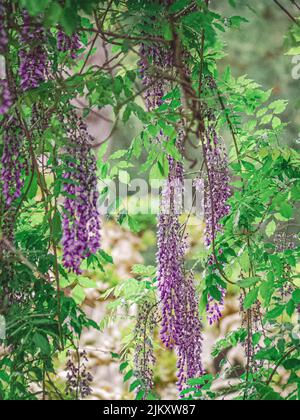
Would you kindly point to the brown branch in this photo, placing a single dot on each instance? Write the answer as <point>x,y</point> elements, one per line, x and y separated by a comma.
<point>286,355</point>
<point>136,38</point>
<point>286,12</point>
<point>295,4</point>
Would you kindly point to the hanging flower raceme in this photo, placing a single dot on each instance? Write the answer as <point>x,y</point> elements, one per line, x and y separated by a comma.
<point>181,327</point>
<point>214,309</point>
<point>6,100</point>
<point>12,161</point>
<point>190,348</point>
<point>217,189</point>
<point>33,55</point>
<point>153,61</point>
<point>81,218</point>
<point>170,259</point>
<point>3,33</point>
<point>67,43</point>
<point>79,379</point>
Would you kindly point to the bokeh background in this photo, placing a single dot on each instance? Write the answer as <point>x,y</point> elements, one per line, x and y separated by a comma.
<point>258,50</point>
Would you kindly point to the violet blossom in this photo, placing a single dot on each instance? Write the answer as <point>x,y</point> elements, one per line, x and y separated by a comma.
<point>214,309</point>
<point>81,218</point>
<point>79,379</point>
<point>6,99</point>
<point>33,55</point>
<point>190,348</point>
<point>181,327</point>
<point>3,33</point>
<point>154,60</point>
<point>66,43</point>
<point>12,161</point>
<point>217,189</point>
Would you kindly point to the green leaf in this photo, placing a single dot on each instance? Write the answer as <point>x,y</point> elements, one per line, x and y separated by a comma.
<point>294,51</point>
<point>271,229</point>
<point>286,210</point>
<point>57,227</point>
<point>268,354</point>
<point>250,299</point>
<point>276,123</point>
<point>128,376</point>
<point>244,284</point>
<point>87,283</point>
<point>296,296</point>
<point>292,364</point>
<point>167,33</point>
<point>119,154</point>
<point>140,395</point>
<point>42,343</point>
<point>278,107</point>
<point>236,21</point>
<point>123,366</point>
<point>290,308</point>
<point>266,119</point>
<point>215,293</point>
<point>69,20</point>
<point>266,393</point>
<point>78,294</point>
<point>276,312</point>
<point>135,385</point>
<point>106,257</point>
<point>35,7</point>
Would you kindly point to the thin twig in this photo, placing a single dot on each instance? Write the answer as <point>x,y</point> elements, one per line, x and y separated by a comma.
<point>286,12</point>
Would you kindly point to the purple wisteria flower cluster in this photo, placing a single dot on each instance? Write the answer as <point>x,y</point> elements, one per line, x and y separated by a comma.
<point>33,55</point>
<point>170,258</point>
<point>5,94</point>
<point>190,349</point>
<point>153,61</point>
<point>6,99</point>
<point>217,189</point>
<point>12,161</point>
<point>79,379</point>
<point>3,33</point>
<point>66,43</point>
<point>214,309</point>
<point>81,217</point>
<point>181,327</point>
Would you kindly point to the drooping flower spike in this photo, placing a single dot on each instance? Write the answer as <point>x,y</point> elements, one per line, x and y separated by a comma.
<point>181,327</point>
<point>81,217</point>
<point>6,99</point>
<point>12,161</point>
<point>66,43</point>
<point>33,56</point>
<point>216,189</point>
<point>3,33</point>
